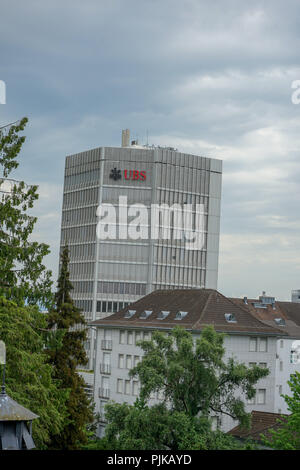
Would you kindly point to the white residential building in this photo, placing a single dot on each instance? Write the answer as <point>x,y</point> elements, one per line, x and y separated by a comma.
<point>247,339</point>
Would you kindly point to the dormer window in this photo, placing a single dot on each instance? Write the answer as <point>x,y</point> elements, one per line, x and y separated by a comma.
<point>163,314</point>
<point>280,321</point>
<point>145,314</point>
<point>180,315</point>
<point>129,313</point>
<point>230,318</point>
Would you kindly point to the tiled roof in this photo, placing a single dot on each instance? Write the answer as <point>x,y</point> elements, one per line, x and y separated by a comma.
<point>204,307</point>
<point>261,423</point>
<point>288,311</point>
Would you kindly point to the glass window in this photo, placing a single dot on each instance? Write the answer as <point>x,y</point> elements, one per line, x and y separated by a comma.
<point>136,360</point>
<point>109,306</point>
<point>119,386</point>
<point>104,307</point>
<point>263,345</point>
<point>135,388</point>
<point>127,387</point>
<point>261,396</point>
<point>253,345</point>
<point>122,337</point>
<point>121,361</point>
<point>128,362</point>
<point>130,337</point>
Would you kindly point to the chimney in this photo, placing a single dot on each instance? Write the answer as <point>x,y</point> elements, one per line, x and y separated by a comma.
<point>245,300</point>
<point>125,138</point>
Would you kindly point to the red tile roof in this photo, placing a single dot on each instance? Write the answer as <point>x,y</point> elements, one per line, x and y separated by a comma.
<point>204,307</point>
<point>261,423</point>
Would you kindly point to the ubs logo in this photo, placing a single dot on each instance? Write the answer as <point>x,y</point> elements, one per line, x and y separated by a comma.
<point>115,174</point>
<point>128,174</point>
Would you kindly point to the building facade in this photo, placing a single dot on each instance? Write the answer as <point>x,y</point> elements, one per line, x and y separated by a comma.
<point>284,316</point>
<point>108,274</point>
<point>247,339</point>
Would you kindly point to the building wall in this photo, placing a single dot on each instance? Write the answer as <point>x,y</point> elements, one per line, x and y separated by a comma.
<point>283,370</point>
<point>109,274</point>
<point>235,346</point>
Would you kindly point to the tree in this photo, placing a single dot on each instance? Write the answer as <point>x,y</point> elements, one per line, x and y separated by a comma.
<point>29,378</point>
<point>287,436</point>
<point>194,378</point>
<point>67,357</point>
<point>23,276</point>
<point>141,427</point>
<point>195,382</point>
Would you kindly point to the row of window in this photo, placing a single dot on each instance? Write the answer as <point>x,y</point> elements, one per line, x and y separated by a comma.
<point>82,234</point>
<point>81,197</point>
<point>82,251</point>
<point>79,216</point>
<point>105,306</point>
<point>172,255</point>
<point>128,337</point>
<point>127,361</point>
<point>129,387</point>
<point>179,275</point>
<point>81,270</point>
<point>183,178</point>
<point>131,288</point>
<point>82,178</point>
<point>259,398</point>
<point>258,344</point>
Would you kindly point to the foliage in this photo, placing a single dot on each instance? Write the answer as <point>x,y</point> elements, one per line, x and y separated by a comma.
<point>29,378</point>
<point>194,378</point>
<point>66,355</point>
<point>23,276</point>
<point>158,428</point>
<point>287,436</point>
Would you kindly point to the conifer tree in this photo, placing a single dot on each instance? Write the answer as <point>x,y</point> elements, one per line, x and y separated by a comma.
<point>66,358</point>
<point>23,276</point>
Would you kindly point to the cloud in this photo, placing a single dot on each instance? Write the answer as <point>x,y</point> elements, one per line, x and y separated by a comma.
<point>207,79</point>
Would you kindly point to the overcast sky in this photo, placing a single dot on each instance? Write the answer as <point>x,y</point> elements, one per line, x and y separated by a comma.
<point>210,77</point>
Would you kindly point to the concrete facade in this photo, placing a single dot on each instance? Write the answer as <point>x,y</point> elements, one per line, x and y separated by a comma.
<point>110,274</point>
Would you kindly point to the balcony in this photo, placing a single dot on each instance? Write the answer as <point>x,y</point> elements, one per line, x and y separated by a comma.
<point>106,344</point>
<point>105,368</point>
<point>104,392</point>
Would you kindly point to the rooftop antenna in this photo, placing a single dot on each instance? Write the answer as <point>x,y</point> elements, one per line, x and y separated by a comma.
<point>147,138</point>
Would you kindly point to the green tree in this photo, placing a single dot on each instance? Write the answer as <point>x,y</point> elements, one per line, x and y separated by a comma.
<point>141,427</point>
<point>67,357</point>
<point>194,378</point>
<point>287,436</point>
<point>23,276</point>
<point>196,383</point>
<point>29,377</point>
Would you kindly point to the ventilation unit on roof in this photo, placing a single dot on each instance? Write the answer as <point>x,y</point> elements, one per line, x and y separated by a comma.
<point>180,315</point>
<point>163,314</point>
<point>145,314</point>
<point>230,318</point>
<point>129,313</point>
<point>280,321</point>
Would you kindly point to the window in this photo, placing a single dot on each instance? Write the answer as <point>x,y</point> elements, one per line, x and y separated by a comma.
<point>163,314</point>
<point>252,364</point>
<point>138,337</point>
<point>263,345</point>
<point>180,315</point>
<point>136,360</point>
<point>145,314</point>
<point>129,313</point>
<point>122,337</point>
<point>280,321</point>
<point>119,386</point>
<point>253,345</point>
<point>251,401</point>
<point>147,336</point>
<point>230,318</point>
<point>263,365</point>
<point>281,366</point>
<point>261,396</point>
<point>280,389</point>
<point>135,388</point>
<point>127,387</point>
<point>130,337</point>
<point>121,361</point>
<point>128,362</point>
